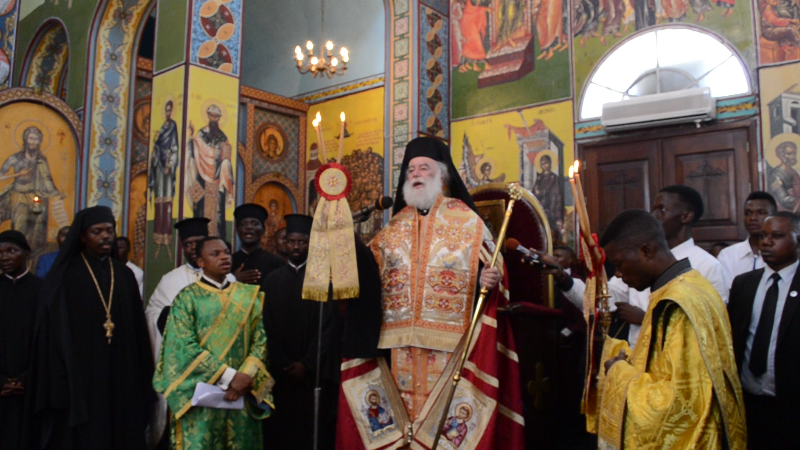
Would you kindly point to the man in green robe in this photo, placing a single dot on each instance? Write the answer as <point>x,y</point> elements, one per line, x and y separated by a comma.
<point>214,335</point>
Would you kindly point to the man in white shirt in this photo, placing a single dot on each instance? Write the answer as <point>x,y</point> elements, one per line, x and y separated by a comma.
<point>745,256</point>
<point>190,231</point>
<point>678,208</point>
<point>123,250</point>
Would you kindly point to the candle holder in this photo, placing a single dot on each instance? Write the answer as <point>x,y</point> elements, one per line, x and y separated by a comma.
<point>37,205</point>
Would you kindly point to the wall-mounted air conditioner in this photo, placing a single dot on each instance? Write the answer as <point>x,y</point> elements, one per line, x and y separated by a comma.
<point>683,106</point>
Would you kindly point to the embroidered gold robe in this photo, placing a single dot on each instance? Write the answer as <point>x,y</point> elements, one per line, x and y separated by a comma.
<point>680,388</point>
<point>429,270</point>
<point>209,330</point>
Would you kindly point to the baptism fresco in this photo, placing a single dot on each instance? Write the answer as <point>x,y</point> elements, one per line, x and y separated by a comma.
<point>533,146</point>
<point>362,154</point>
<point>37,173</point>
<point>780,110</point>
<point>508,53</point>
<point>599,25</point>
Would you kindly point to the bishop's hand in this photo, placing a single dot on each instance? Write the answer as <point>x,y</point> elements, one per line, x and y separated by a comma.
<point>489,278</point>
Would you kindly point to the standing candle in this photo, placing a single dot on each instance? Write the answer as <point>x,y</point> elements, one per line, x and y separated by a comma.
<point>581,205</point>
<point>320,143</point>
<point>341,138</point>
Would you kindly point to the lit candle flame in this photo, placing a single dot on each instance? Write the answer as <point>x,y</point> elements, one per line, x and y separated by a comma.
<point>577,165</point>
<point>571,171</point>
<point>319,117</point>
<point>36,199</point>
<point>341,116</point>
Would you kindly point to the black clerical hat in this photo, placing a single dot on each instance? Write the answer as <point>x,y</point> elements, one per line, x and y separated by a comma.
<point>298,223</point>
<point>250,211</point>
<point>437,151</point>
<point>197,226</point>
<point>96,214</point>
<point>16,238</point>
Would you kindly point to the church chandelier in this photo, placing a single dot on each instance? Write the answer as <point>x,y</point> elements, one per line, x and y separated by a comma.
<point>326,63</point>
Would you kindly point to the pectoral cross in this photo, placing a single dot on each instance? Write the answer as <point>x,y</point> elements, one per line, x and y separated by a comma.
<point>109,326</point>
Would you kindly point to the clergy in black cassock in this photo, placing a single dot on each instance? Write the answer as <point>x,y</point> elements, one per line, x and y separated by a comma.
<point>252,263</point>
<point>93,367</point>
<point>19,290</point>
<point>292,326</point>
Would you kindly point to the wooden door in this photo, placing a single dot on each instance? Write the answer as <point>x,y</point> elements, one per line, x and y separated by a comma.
<point>716,164</point>
<point>623,172</point>
<point>620,177</point>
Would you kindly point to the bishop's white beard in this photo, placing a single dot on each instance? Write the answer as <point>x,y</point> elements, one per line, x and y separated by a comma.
<point>425,197</point>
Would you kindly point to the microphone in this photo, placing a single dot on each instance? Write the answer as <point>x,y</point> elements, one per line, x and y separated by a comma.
<point>382,203</point>
<point>527,256</point>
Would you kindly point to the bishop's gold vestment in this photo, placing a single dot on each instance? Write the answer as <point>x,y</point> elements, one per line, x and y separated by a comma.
<point>680,388</point>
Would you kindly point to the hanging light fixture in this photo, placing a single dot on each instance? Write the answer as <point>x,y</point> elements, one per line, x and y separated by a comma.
<point>326,63</point>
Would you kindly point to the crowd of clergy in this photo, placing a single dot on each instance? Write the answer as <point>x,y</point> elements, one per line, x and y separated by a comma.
<point>226,353</point>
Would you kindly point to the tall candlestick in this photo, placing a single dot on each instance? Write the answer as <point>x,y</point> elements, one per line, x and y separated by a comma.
<point>321,144</point>
<point>341,138</point>
<point>580,205</point>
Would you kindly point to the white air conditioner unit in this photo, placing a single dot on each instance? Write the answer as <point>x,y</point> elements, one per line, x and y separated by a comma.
<point>683,106</point>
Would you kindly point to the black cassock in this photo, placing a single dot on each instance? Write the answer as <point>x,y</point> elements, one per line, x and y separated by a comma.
<point>91,394</point>
<point>18,301</point>
<point>292,326</point>
<point>261,260</point>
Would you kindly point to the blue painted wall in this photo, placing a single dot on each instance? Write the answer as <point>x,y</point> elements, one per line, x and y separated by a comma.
<point>272,29</point>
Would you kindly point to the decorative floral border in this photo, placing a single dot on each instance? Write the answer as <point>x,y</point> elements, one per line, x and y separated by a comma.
<point>107,122</point>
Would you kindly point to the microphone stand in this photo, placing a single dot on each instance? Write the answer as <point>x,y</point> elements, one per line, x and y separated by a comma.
<point>318,384</point>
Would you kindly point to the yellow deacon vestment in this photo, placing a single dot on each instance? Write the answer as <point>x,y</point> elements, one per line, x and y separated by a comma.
<point>680,388</point>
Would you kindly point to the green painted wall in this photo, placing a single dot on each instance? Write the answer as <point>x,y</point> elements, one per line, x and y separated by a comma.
<point>171,29</point>
<point>78,22</point>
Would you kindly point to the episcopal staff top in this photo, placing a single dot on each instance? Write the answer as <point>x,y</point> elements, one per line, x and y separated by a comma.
<point>437,151</point>
<point>197,226</point>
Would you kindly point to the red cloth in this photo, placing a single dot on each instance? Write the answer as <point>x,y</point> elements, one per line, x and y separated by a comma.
<point>493,354</point>
<point>473,29</point>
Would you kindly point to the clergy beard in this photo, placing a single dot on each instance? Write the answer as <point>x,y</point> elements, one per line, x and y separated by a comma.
<point>425,197</point>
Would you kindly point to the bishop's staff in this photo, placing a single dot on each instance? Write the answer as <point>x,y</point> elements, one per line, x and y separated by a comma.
<point>596,289</point>
<point>515,193</point>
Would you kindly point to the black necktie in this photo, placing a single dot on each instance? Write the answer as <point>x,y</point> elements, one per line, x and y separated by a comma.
<point>760,350</point>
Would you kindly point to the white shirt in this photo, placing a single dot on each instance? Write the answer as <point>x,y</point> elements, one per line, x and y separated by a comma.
<point>738,259</point>
<point>139,274</point>
<point>701,260</point>
<point>765,384</point>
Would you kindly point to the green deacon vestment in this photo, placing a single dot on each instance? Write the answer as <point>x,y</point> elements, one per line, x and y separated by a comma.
<point>209,330</point>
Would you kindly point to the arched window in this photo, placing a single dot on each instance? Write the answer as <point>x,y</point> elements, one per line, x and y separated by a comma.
<point>661,60</point>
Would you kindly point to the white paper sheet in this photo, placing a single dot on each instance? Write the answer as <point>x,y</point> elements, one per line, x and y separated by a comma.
<point>210,396</point>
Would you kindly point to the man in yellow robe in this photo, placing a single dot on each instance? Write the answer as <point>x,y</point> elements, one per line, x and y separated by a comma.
<point>215,335</point>
<point>679,388</point>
